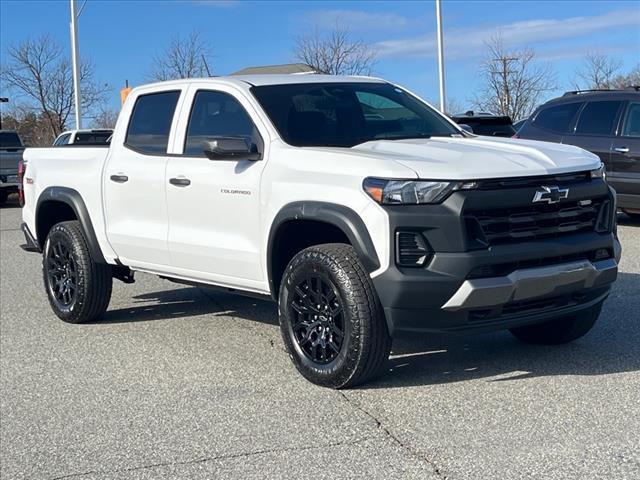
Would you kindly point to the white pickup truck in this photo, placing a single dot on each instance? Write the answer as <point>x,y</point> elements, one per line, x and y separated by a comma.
<point>359,208</point>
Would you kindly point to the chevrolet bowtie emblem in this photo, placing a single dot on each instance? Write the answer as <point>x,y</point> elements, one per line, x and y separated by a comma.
<point>550,195</point>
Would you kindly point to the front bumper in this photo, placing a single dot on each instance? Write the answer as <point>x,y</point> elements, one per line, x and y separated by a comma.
<point>468,285</point>
<point>441,298</point>
<point>531,283</point>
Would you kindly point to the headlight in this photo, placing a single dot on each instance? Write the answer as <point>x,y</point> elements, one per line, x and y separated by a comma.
<point>411,192</point>
<point>599,172</point>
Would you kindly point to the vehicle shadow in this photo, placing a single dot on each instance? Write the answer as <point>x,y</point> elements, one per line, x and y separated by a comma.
<point>613,346</point>
<point>189,302</point>
<point>12,202</point>
<point>628,221</point>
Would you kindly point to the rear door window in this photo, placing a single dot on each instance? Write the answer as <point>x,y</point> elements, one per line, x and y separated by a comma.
<point>631,126</point>
<point>598,118</point>
<point>150,122</point>
<point>558,118</point>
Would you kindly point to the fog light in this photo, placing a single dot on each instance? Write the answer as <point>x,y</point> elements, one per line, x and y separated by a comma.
<point>601,254</point>
<point>411,249</point>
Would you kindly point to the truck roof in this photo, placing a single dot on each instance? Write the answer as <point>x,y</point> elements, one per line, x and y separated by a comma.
<point>271,79</point>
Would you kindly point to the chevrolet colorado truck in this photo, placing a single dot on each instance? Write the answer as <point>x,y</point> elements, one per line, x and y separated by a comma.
<point>351,202</point>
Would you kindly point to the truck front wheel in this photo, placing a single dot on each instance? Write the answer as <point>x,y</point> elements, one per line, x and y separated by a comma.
<point>561,330</point>
<point>78,288</point>
<point>330,317</point>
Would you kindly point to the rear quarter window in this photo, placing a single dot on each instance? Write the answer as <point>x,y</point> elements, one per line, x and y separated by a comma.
<point>632,121</point>
<point>150,122</point>
<point>557,118</point>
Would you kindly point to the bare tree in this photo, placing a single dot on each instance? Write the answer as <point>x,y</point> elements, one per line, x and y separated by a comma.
<point>38,72</point>
<point>335,53</point>
<point>106,118</point>
<point>183,58</point>
<point>627,80</point>
<point>513,81</point>
<point>32,126</point>
<point>601,71</point>
<point>598,71</point>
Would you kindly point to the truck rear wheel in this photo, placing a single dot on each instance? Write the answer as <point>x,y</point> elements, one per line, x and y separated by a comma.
<point>561,330</point>
<point>330,317</point>
<point>78,288</point>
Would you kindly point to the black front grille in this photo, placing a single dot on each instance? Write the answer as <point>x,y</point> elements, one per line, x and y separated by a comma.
<point>561,180</point>
<point>538,221</point>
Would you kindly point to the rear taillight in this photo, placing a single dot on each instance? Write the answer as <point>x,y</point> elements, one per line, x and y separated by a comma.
<point>21,169</point>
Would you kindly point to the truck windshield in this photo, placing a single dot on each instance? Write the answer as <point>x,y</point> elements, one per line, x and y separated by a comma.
<point>347,114</point>
<point>10,140</point>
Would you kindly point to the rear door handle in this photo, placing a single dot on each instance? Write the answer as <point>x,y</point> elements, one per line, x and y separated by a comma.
<point>621,149</point>
<point>119,178</point>
<point>180,182</point>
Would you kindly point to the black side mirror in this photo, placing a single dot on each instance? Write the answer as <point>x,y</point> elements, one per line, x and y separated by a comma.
<point>231,148</point>
<point>465,127</point>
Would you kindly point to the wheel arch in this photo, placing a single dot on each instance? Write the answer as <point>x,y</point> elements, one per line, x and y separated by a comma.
<point>339,221</point>
<point>56,204</point>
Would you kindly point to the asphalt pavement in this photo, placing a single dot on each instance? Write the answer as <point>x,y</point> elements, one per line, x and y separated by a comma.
<point>180,383</point>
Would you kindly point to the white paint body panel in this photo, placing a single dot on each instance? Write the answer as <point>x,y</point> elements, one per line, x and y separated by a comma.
<point>200,233</point>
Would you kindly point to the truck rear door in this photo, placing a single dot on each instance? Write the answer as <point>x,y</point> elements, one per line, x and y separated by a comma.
<point>134,180</point>
<point>624,174</point>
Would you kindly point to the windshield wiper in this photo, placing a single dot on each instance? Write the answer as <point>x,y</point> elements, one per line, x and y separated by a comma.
<point>406,137</point>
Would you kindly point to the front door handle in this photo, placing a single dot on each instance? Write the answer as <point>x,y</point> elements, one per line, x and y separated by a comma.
<point>119,178</point>
<point>621,149</point>
<point>180,182</point>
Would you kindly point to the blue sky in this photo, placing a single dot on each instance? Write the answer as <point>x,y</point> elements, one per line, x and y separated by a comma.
<point>121,37</point>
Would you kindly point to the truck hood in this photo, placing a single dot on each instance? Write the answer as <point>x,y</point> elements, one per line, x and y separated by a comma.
<point>481,157</point>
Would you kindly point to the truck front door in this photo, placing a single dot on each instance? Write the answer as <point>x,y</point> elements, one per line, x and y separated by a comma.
<point>214,205</point>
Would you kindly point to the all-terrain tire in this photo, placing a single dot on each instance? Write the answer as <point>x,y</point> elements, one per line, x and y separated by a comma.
<point>78,288</point>
<point>558,331</point>
<point>346,302</point>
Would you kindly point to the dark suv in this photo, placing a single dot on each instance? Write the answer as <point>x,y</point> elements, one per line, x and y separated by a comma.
<point>605,122</point>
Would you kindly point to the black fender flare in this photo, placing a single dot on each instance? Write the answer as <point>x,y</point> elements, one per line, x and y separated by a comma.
<point>74,200</point>
<point>348,221</point>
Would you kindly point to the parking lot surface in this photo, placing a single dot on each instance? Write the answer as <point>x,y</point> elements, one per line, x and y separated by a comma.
<point>181,382</point>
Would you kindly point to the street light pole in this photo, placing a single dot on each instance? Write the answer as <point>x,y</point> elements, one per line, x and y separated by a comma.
<point>440,56</point>
<point>75,62</point>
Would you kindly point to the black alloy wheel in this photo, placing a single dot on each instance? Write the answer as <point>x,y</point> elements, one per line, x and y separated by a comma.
<point>318,325</point>
<point>78,287</point>
<point>331,320</point>
<point>62,273</point>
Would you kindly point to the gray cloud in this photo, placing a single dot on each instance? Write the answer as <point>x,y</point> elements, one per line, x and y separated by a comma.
<point>466,42</point>
<point>358,20</point>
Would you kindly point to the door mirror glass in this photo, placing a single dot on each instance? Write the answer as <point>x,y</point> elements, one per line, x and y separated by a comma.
<point>231,148</point>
